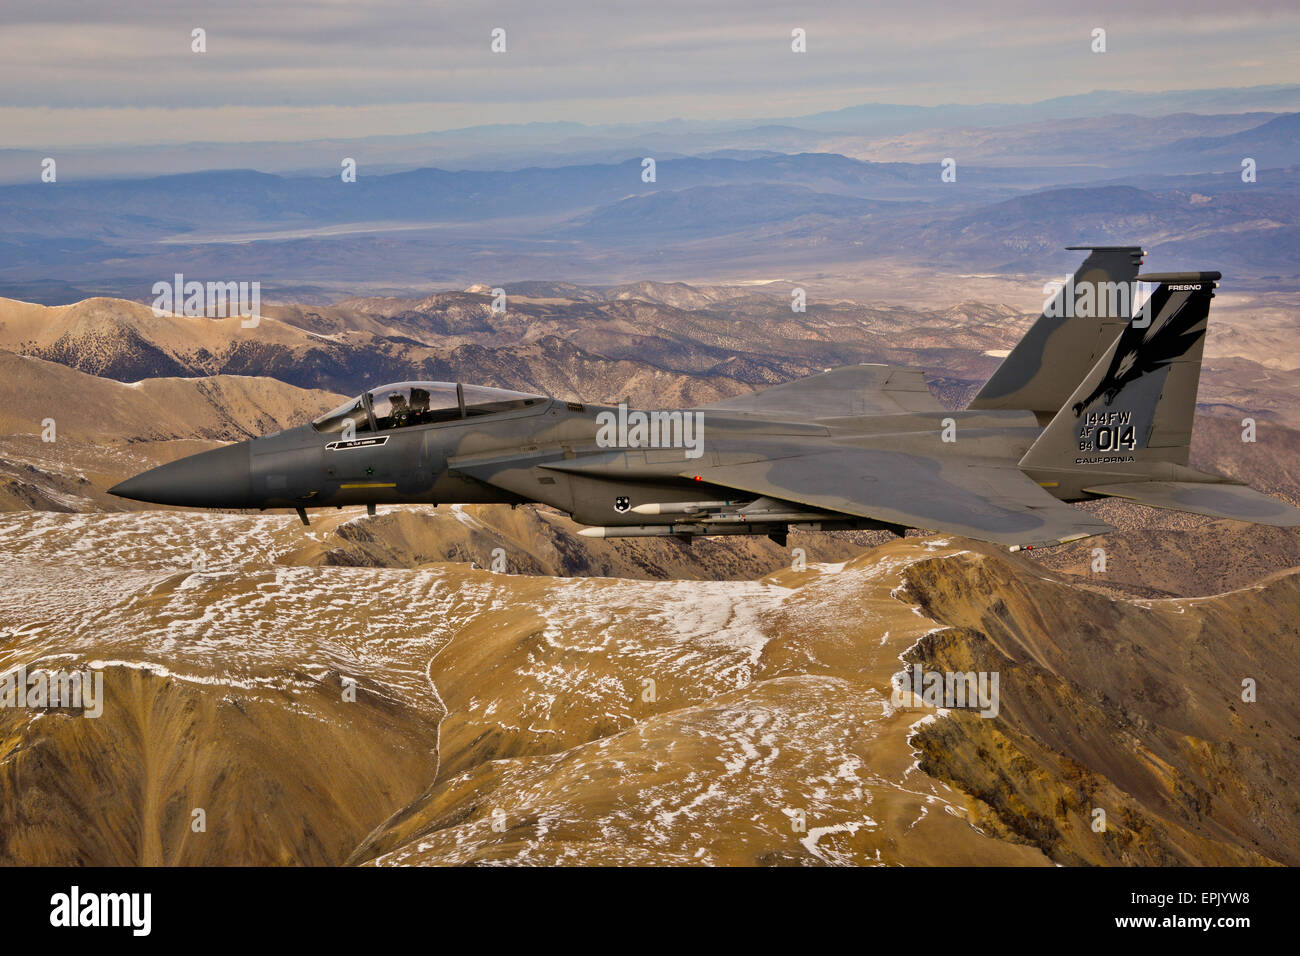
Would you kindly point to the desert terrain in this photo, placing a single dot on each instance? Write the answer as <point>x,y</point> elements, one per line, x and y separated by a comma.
<point>365,691</point>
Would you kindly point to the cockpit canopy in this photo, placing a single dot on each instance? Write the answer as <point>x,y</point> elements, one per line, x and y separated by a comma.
<point>421,403</point>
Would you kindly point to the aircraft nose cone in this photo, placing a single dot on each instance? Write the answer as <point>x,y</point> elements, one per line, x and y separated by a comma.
<point>220,478</point>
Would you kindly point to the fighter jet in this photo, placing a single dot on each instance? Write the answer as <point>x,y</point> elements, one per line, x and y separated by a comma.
<point>1095,401</point>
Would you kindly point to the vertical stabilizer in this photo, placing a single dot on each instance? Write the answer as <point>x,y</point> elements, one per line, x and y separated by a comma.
<point>1077,325</point>
<point>1132,413</point>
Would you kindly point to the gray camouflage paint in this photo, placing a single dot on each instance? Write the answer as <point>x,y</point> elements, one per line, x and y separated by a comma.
<point>857,447</point>
<point>1059,349</point>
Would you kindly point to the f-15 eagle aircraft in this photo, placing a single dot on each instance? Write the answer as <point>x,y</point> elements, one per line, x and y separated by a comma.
<point>1095,401</point>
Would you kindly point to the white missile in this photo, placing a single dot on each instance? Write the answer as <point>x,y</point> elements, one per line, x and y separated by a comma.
<point>680,530</point>
<point>681,507</point>
<point>636,531</point>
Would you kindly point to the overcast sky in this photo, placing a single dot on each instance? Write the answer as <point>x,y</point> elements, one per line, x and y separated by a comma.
<point>86,73</point>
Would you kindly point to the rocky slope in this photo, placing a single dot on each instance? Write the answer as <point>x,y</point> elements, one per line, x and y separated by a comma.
<point>363,691</point>
<point>1132,707</point>
<point>528,719</point>
<point>659,343</point>
<point>103,430</point>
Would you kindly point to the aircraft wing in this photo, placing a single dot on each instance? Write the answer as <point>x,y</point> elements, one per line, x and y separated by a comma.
<point>979,498</point>
<point>1216,499</point>
<point>840,393</point>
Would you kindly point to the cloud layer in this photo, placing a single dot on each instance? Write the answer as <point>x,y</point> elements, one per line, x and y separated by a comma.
<point>74,73</point>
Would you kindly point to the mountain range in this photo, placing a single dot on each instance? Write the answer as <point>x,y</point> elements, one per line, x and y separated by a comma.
<point>792,205</point>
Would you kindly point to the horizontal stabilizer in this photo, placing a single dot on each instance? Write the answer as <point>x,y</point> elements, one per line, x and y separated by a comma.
<point>1238,502</point>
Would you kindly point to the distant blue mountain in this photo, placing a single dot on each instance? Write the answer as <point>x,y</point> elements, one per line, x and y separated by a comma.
<point>601,223</point>
<point>245,201</point>
<point>520,145</point>
<point>886,118</point>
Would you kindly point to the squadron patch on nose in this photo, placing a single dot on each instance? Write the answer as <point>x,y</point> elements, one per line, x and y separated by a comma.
<point>358,443</point>
<point>622,504</point>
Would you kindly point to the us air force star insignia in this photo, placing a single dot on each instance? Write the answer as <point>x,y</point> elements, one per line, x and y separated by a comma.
<point>622,503</point>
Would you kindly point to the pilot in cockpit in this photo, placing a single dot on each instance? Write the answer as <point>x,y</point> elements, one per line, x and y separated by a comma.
<point>400,412</point>
<point>420,406</point>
